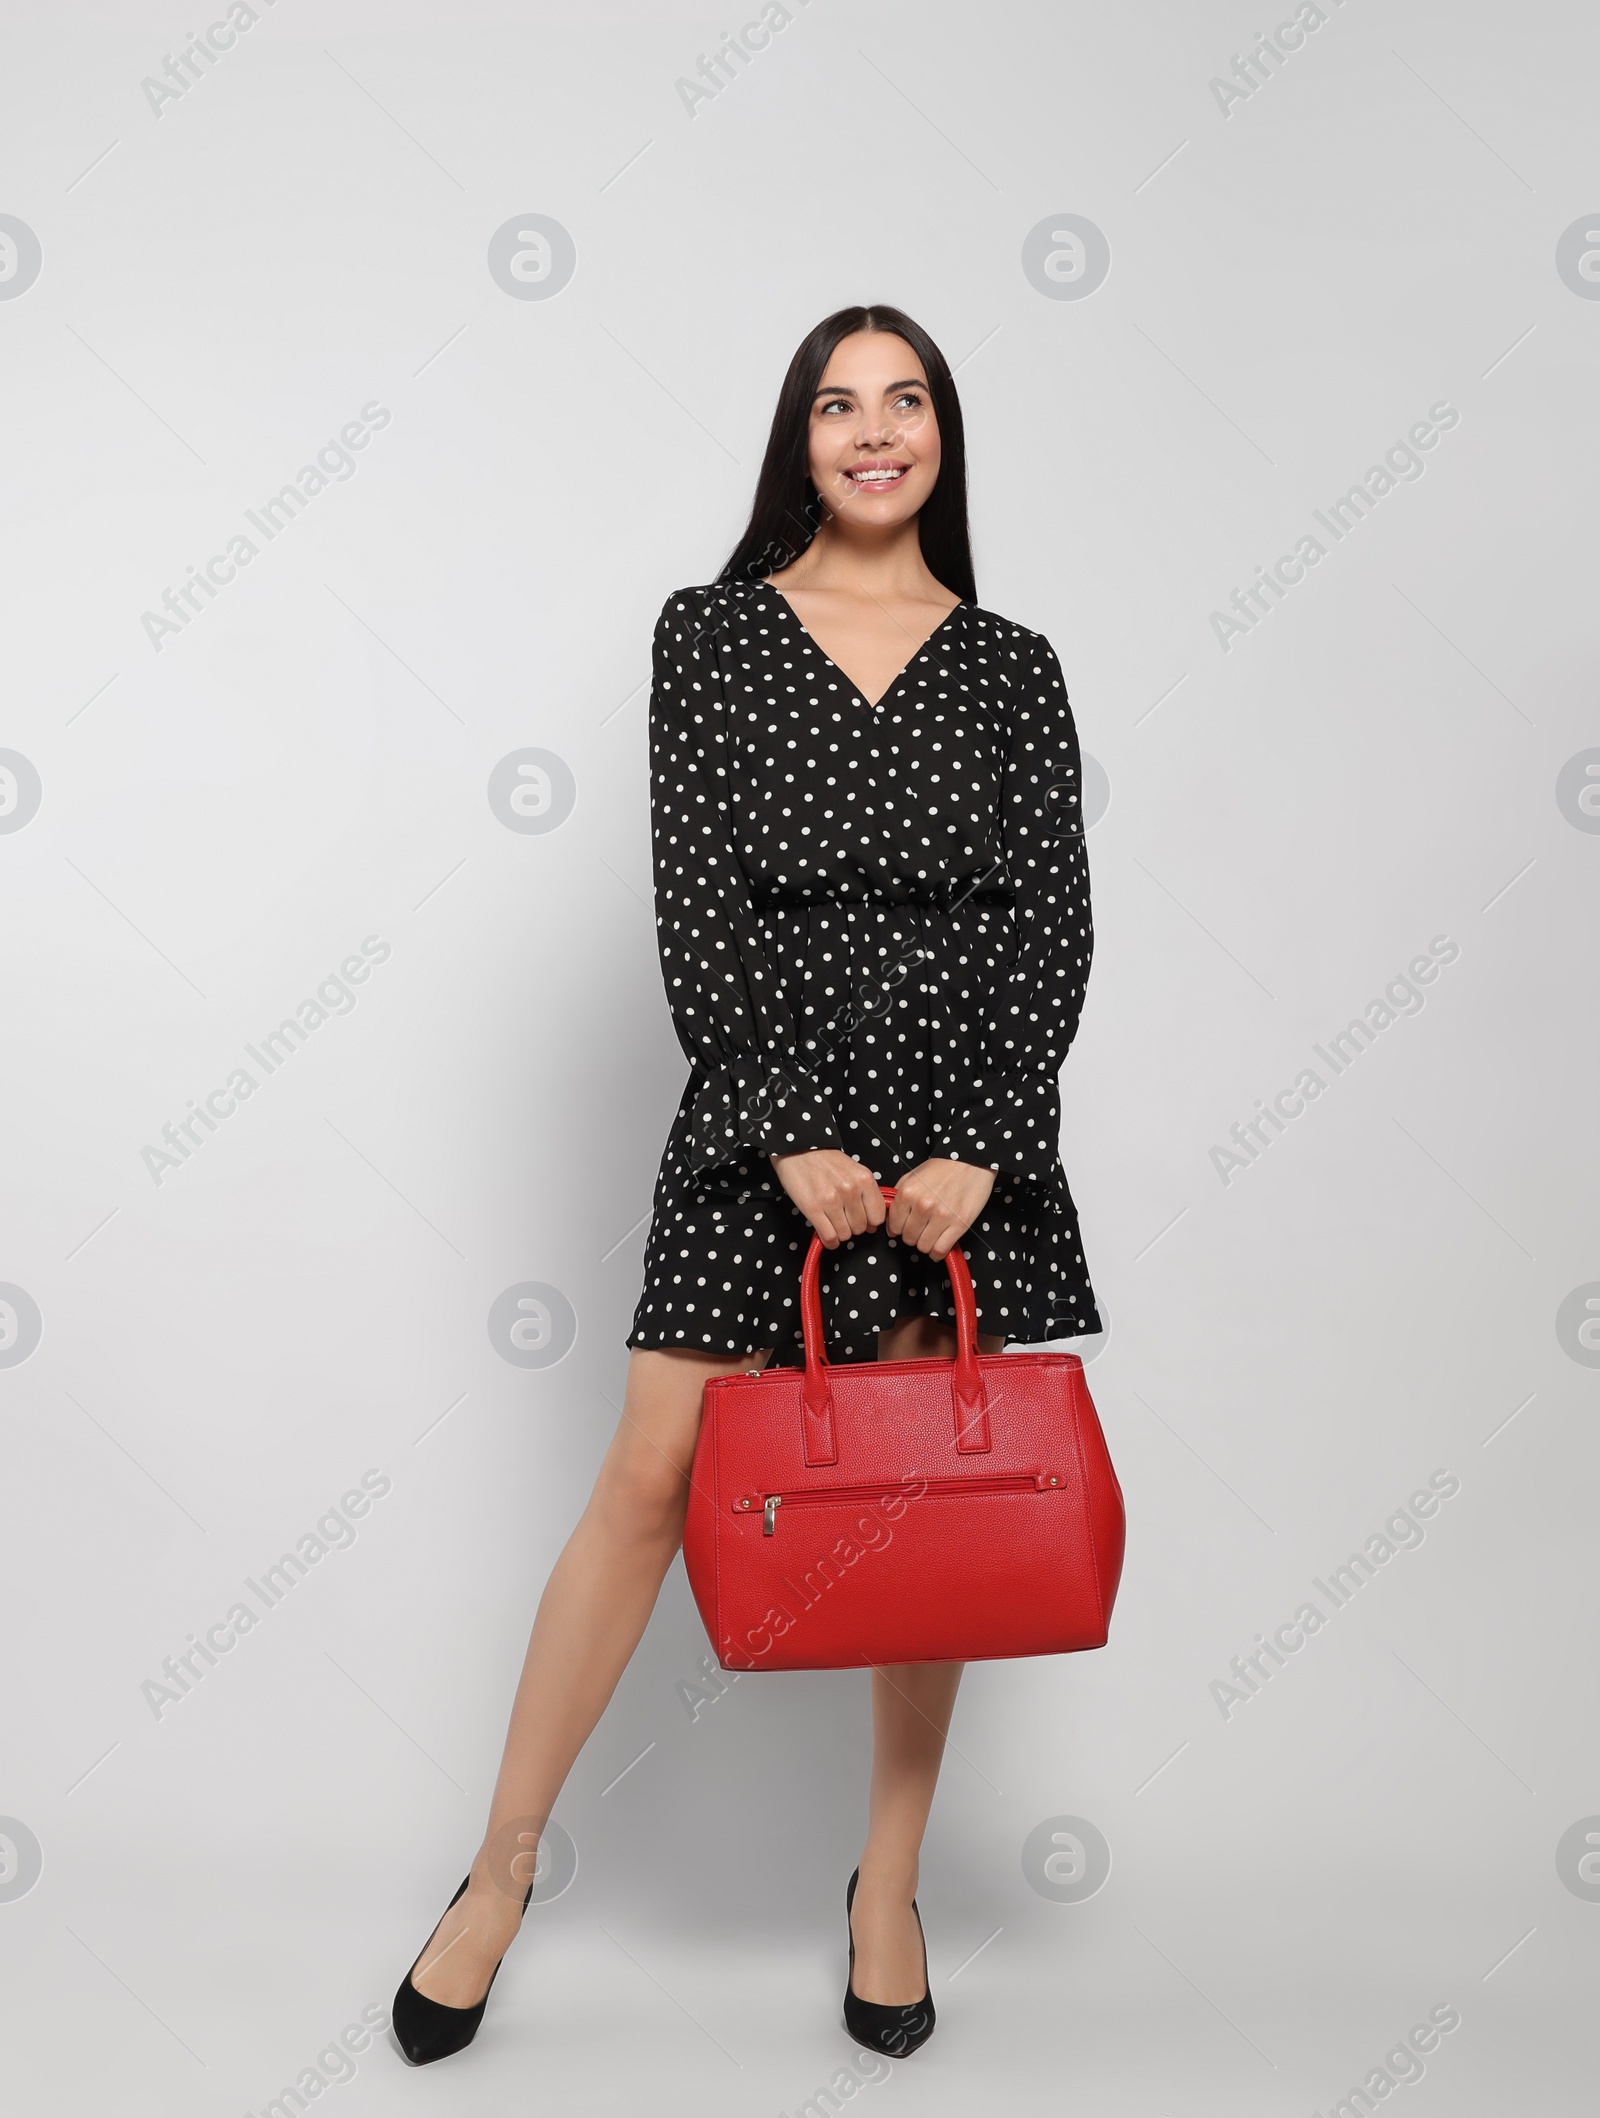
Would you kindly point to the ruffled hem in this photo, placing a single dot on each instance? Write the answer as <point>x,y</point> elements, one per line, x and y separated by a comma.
<point>723,1276</point>
<point>788,1352</point>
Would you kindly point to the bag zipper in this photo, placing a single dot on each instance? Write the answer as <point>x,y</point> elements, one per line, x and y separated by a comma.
<point>936,1488</point>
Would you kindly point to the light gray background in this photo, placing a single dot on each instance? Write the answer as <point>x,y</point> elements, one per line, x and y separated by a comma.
<point>222,822</point>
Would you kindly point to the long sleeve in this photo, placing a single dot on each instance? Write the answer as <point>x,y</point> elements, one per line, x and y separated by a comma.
<point>1010,1119</point>
<point>727,1006</point>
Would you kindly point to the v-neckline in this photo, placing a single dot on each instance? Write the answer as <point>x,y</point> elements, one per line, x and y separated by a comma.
<point>900,675</point>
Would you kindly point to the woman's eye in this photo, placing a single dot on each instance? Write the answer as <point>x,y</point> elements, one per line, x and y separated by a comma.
<point>910,400</point>
<point>839,404</point>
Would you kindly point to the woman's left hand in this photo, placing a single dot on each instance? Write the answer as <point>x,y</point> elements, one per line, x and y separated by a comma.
<point>936,1203</point>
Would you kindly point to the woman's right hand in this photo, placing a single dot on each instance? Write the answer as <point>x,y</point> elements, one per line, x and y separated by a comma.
<point>838,1195</point>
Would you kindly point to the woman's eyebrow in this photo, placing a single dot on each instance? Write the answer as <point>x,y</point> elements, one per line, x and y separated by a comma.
<point>843,389</point>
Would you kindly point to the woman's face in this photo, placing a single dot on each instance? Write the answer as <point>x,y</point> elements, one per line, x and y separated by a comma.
<point>874,437</point>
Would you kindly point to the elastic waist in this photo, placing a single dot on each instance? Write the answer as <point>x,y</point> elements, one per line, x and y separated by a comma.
<point>945,897</point>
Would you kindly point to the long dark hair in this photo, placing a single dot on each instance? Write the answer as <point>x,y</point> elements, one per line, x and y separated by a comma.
<point>786,511</point>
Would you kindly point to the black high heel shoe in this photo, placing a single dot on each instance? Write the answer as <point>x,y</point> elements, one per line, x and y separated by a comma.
<point>426,2029</point>
<point>881,2028</point>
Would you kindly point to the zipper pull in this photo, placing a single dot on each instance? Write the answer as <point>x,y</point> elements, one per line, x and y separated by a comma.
<point>769,1514</point>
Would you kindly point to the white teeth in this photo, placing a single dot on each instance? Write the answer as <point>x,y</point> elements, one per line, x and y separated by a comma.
<point>876,477</point>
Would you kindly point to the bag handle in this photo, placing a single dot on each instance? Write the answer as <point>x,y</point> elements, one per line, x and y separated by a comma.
<point>966,1379</point>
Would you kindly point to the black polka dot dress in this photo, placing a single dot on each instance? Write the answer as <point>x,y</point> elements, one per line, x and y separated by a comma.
<point>874,930</point>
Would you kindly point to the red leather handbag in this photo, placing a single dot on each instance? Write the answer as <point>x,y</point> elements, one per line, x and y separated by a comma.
<point>902,1511</point>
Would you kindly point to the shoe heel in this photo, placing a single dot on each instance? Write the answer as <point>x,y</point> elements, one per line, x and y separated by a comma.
<point>879,2027</point>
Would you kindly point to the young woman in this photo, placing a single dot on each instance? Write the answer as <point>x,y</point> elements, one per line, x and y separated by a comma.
<point>872,907</point>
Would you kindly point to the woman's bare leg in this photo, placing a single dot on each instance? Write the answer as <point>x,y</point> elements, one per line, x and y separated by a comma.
<point>596,1605</point>
<point>911,1707</point>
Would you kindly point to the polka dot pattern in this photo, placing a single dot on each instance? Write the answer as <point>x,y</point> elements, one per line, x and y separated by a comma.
<point>874,929</point>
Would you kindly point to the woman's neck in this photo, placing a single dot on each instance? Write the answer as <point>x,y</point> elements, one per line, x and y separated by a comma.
<point>880,565</point>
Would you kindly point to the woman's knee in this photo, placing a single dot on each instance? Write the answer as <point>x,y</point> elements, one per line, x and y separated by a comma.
<point>641,1493</point>
<point>643,1487</point>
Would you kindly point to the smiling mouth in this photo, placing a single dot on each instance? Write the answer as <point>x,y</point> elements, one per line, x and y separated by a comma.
<point>873,477</point>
